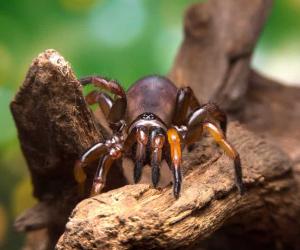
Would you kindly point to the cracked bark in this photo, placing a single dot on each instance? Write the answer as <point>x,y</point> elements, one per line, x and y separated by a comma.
<point>55,126</point>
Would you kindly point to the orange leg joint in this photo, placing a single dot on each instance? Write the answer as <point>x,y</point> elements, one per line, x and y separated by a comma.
<point>175,150</point>
<point>174,141</point>
<point>219,137</point>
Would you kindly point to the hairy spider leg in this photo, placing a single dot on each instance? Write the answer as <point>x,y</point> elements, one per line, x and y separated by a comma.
<point>91,155</point>
<point>219,137</point>
<point>175,151</point>
<point>117,110</point>
<point>142,136</point>
<point>157,142</point>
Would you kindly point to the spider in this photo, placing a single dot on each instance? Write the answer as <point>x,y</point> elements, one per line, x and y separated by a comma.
<point>151,122</point>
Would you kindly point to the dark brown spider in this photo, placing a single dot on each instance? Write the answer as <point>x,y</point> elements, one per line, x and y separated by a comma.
<point>141,119</point>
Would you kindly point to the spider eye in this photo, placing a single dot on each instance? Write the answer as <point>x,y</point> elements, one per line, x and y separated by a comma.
<point>148,116</point>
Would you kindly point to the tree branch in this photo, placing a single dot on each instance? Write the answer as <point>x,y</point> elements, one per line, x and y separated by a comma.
<point>214,58</point>
<point>55,126</point>
<point>141,217</point>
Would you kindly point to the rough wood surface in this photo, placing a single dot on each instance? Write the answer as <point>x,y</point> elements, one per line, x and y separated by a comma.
<point>54,123</point>
<point>272,110</point>
<point>55,126</point>
<point>140,217</point>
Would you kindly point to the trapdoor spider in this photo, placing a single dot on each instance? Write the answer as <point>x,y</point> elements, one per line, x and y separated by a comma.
<point>152,122</point>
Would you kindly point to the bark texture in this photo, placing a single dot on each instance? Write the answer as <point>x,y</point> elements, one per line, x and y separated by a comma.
<point>141,217</point>
<point>55,126</point>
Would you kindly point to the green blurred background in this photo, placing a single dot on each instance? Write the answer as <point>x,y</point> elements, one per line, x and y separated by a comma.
<point>122,39</point>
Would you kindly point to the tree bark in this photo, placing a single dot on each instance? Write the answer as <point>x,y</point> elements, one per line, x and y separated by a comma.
<point>141,217</point>
<point>55,126</point>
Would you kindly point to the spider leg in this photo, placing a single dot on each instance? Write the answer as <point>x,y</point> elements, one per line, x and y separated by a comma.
<point>117,113</point>
<point>219,137</point>
<point>140,154</point>
<point>175,151</point>
<point>110,85</point>
<point>185,100</point>
<point>157,143</point>
<point>117,109</point>
<point>104,101</point>
<point>200,115</point>
<point>92,154</point>
<point>206,112</point>
<point>100,177</point>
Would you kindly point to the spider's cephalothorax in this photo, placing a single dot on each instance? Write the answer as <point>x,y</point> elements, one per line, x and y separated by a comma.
<point>152,122</point>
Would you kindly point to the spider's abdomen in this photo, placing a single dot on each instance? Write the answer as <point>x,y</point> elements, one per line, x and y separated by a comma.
<point>154,94</point>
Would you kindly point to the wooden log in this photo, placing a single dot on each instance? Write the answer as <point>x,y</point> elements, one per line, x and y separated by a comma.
<point>55,126</point>
<point>141,217</point>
